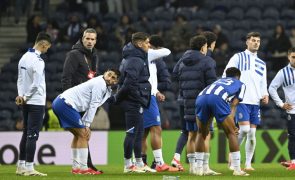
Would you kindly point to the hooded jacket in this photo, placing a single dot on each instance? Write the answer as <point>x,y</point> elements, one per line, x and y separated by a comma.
<point>76,69</point>
<point>133,84</point>
<point>163,75</point>
<point>196,71</point>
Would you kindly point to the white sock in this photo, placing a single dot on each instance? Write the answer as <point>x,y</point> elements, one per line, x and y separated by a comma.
<point>206,161</point>
<point>177,156</point>
<point>192,159</point>
<point>75,158</point>
<point>21,163</point>
<point>243,131</point>
<point>30,166</point>
<point>229,159</point>
<point>83,156</point>
<point>128,162</point>
<point>199,159</point>
<point>236,160</point>
<point>158,156</point>
<point>139,162</point>
<point>293,161</point>
<point>250,146</point>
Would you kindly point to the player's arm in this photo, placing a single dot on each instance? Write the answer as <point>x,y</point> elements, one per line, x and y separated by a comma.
<point>38,70</point>
<point>95,101</point>
<point>233,62</point>
<point>210,71</point>
<point>265,96</point>
<point>273,87</point>
<point>154,54</point>
<point>19,99</point>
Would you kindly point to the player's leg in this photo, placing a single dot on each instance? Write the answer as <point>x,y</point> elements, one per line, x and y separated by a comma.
<point>206,168</point>
<point>21,165</point>
<point>144,145</point>
<point>291,138</point>
<point>34,124</point>
<point>251,136</point>
<point>202,135</point>
<point>181,142</point>
<point>229,129</point>
<point>191,145</point>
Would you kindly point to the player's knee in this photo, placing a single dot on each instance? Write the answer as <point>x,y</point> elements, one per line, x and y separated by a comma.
<point>32,135</point>
<point>244,129</point>
<point>251,135</point>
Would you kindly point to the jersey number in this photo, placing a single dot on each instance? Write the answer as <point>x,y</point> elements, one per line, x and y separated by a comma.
<point>226,81</point>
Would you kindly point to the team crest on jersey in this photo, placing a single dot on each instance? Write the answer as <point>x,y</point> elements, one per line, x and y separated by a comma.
<point>158,119</point>
<point>240,115</point>
<point>80,122</point>
<point>288,117</point>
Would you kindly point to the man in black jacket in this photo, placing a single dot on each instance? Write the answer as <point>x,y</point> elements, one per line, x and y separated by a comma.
<point>81,65</point>
<point>196,71</point>
<point>133,95</point>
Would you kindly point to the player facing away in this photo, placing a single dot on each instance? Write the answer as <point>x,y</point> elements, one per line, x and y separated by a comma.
<point>219,100</point>
<point>286,78</point>
<point>253,75</point>
<point>85,97</point>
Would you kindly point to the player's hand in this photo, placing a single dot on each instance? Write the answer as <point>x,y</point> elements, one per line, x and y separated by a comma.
<point>19,100</point>
<point>87,133</point>
<point>237,131</point>
<point>287,106</point>
<point>160,96</point>
<point>265,99</point>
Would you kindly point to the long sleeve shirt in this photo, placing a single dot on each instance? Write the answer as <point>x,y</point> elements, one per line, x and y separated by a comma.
<point>253,75</point>
<point>153,55</point>
<point>88,96</point>
<point>285,78</point>
<point>31,78</point>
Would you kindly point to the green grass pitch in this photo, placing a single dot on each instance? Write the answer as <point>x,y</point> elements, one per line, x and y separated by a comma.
<point>115,171</point>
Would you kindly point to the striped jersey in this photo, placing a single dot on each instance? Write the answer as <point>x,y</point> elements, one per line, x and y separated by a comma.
<point>227,88</point>
<point>285,78</point>
<point>253,75</point>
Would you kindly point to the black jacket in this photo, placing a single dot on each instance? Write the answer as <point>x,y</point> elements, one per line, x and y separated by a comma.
<point>196,71</point>
<point>75,70</point>
<point>163,75</point>
<point>134,85</point>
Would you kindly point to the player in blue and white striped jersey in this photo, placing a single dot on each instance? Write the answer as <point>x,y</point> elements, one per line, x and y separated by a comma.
<point>219,100</point>
<point>286,78</point>
<point>253,74</point>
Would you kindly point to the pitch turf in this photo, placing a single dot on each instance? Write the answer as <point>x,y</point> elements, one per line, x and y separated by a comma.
<point>263,171</point>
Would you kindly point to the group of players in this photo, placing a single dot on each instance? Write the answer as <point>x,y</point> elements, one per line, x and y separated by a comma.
<point>234,98</point>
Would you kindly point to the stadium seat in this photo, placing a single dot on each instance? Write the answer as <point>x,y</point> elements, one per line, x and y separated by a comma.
<point>244,24</point>
<point>217,15</point>
<point>287,14</point>
<point>253,13</point>
<point>271,13</point>
<point>202,14</point>
<point>235,14</point>
<point>5,114</point>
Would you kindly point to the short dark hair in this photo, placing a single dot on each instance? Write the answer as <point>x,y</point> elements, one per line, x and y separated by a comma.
<point>42,36</point>
<point>116,71</point>
<point>89,30</point>
<point>291,50</point>
<point>139,36</point>
<point>157,41</point>
<point>197,42</point>
<point>253,34</point>
<point>210,36</point>
<point>233,72</point>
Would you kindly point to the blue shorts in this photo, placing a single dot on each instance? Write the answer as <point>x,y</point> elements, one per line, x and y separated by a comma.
<point>212,105</point>
<point>248,112</point>
<point>68,117</point>
<point>151,115</point>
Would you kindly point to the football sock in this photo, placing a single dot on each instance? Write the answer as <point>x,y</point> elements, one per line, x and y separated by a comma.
<point>199,159</point>
<point>244,130</point>
<point>250,146</point>
<point>30,166</point>
<point>177,156</point>
<point>236,160</point>
<point>158,156</point>
<point>191,159</point>
<point>139,162</point>
<point>293,161</point>
<point>144,158</point>
<point>75,158</point>
<point>21,163</point>
<point>206,161</point>
<point>83,155</point>
<point>128,162</point>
